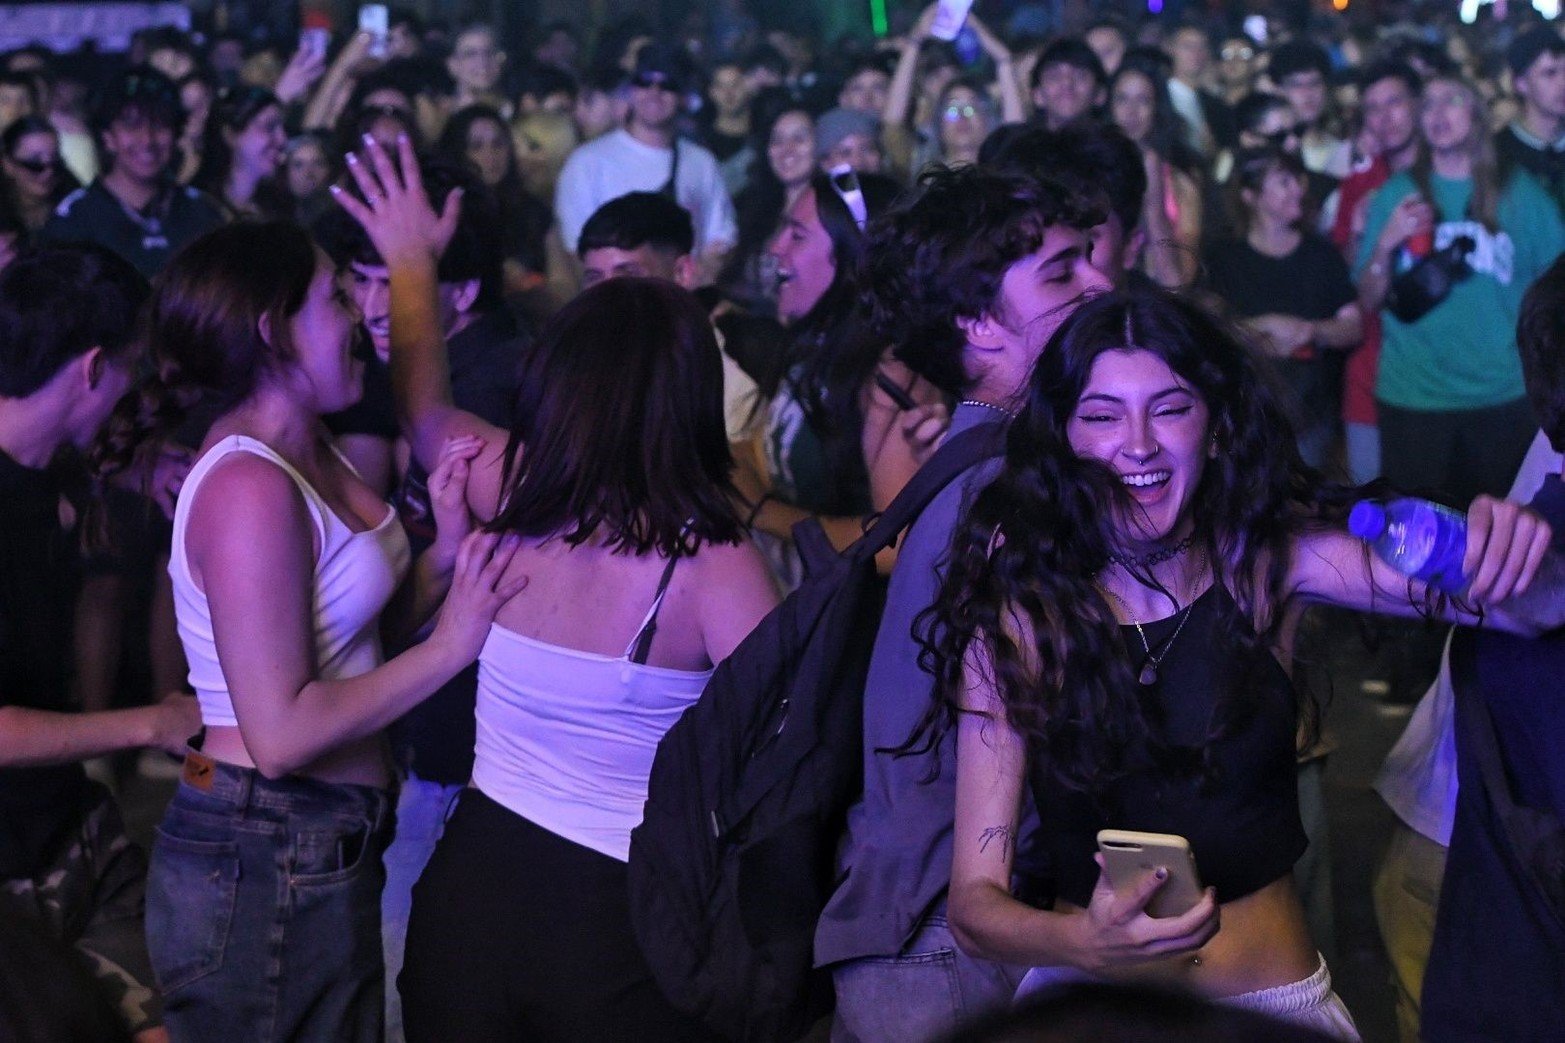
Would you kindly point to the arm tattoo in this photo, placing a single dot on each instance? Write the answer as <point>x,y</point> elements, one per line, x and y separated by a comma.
<point>1000,834</point>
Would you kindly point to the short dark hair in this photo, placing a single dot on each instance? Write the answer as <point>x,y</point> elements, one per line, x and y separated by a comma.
<point>59,302</point>
<point>1253,107</point>
<point>1297,56</point>
<point>1069,50</point>
<point>476,250</point>
<point>638,219</point>
<point>541,79</point>
<point>765,56</point>
<point>1531,45</point>
<point>1391,69</point>
<point>139,89</point>
<point>941,256</point>
<point>1089,157</point>
<point>1540,338</point>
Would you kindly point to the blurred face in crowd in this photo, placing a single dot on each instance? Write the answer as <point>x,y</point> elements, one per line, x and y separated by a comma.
<point>1038,292</point>
<point>368,286</point>
<point>140,144</point>
<point>259,146</point>
<point>791,148</point>
<point>1109,45</point>
<point>644,261</point>
<point>195,96</point>
<point>1448,116</point>
<point>1236,62</point>
<point>1542,86</point>
<point>963,120</point>
<point>1131,105</point>
<point>488,149</point>
<point>34,165</point>
<point>1280,127</point>
<point>1306,92</point>
<point>1065,92</point>
<point>1279,198</point>
<point>476,62</point>
<point>402,42</point>
<point>1191,53</point>
<point>597,112</point>
<point>805,265</point>
<point>559,48</point>
<point>729,91</point>
<point>1390,114</point>
<point>865,91</point>
<point>859,151</point>
<point>654,101</point>
<point>16,101</point>
<point>307,168</point>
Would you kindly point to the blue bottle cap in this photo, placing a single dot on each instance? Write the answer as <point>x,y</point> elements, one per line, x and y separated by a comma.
<point>1367,520</point>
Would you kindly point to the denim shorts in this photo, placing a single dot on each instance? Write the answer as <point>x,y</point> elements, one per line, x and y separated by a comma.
<point>263,906</point>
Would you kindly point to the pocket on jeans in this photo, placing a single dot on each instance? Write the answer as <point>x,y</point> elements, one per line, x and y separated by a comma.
<point>192,887</point>
<point>333,854</point>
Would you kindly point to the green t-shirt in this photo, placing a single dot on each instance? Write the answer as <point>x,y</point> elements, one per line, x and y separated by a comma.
<point>1462,354</point>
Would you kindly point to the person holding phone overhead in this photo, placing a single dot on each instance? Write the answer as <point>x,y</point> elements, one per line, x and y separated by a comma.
<point>1109,634</point>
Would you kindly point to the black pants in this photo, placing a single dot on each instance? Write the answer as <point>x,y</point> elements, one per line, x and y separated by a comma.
<point>1460,452</point>
<point>519,934</point>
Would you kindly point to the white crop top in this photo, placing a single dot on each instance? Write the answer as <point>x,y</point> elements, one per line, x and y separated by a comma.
<point>566,738</point>
<point>355,576</point>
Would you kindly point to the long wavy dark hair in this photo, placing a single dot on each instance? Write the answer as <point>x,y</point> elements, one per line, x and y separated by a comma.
<point>1020,588</point>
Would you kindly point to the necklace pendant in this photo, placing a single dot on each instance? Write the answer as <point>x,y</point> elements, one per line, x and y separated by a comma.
<point>1148,675</point>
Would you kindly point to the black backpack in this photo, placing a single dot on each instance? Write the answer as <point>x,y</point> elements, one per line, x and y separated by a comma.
<point>734,858</point>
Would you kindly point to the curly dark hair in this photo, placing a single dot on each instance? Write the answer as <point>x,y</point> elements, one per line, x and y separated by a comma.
<point>941,255</point>
<point>1020,586</point>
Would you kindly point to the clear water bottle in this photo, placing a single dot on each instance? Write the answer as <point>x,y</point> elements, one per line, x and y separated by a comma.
<point>1417,538</point>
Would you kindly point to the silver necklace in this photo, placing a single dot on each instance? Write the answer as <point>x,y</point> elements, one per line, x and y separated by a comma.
<point>986,405</point>
<point>1148,675</point>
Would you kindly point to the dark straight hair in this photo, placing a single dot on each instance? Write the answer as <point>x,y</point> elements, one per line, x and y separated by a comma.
<point>619,430</point>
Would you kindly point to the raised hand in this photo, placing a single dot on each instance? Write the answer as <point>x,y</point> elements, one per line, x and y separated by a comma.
<point>395,209</point>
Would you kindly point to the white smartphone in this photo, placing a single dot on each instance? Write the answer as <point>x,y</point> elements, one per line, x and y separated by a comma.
<point>1128,855</point>
<point>315,40</point>
<point>949,17</point>
<point>375,19</point>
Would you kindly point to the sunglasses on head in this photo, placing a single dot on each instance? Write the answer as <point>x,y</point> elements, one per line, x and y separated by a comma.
<point>37,166</point>
<point>845,182</point>
<point>654,81</point>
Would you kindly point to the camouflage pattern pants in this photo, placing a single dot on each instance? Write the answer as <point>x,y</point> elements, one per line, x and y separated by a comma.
<point>90,896</point>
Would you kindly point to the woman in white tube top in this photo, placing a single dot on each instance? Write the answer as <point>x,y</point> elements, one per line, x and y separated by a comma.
<point>637,580</point>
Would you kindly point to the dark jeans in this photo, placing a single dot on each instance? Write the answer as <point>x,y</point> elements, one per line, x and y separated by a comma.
<point>263,907</point>
<point>520,934</point>
<point>1461,452</point>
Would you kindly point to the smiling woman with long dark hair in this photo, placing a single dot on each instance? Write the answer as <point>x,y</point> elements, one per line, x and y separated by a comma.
<point>1111,634</point>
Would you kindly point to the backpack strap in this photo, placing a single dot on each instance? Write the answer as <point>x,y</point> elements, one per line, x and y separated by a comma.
<point>959,453</point>
<point>1536,837</point>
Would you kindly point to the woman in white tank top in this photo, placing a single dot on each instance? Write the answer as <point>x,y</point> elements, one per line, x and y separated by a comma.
<point>263,895</point>
<point>637,580</point>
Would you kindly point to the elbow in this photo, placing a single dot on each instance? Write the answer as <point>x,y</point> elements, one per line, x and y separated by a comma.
<point>276,758</point>
<point>965,921</point>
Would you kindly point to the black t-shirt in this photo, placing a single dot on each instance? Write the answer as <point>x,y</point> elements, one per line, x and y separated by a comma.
<point>435,739</point>
<point>1312,282</point>
<point>1545,164</point>
<point>146,239</point>
<point>39,576</point>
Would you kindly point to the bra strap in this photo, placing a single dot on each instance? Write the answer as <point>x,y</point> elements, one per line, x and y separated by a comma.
<point>641,646</point>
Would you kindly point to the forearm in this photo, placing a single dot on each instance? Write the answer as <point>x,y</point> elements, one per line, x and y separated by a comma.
<point>1375,281</point>
<point>1337,332</point>
<point>35,738</point>
<point>327,715</point>
<point>1012,108</point>
<point>899,96</point>
<point>990,924</point>
<point>420,367</point>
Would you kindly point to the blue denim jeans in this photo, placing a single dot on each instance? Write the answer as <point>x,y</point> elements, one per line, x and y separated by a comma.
<point>263,907</point>
<point>920,994</point>
<point>422,810</point>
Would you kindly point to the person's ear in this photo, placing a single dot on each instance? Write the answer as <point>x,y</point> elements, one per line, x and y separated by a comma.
<point>685,272</point>
<point>983,332</point>
<point>466,295</point>
<point>1135,244</point>
<point>263,326</point>
<point>93,362</point>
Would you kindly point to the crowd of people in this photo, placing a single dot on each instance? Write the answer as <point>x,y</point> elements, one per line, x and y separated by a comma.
<point>394,439</point>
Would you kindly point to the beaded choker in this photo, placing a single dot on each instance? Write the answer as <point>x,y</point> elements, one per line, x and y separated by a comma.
<point>1157,557</point>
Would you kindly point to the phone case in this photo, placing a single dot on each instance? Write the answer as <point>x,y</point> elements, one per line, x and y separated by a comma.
<point>1128,854</point>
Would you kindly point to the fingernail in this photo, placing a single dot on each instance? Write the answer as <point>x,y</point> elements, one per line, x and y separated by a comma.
<point>1161,873</point>
<point>334,189</point>
<point>353,160</point>
<point>402,138</point>
<point>368,139</point>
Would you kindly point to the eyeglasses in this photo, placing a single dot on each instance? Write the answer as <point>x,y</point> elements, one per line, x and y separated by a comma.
<point>1230,54</point>
<point>959,112</point>
<point>654,81</point>
<point>38,166</point>
<point>845,182</point>
<point>1278,138</point>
